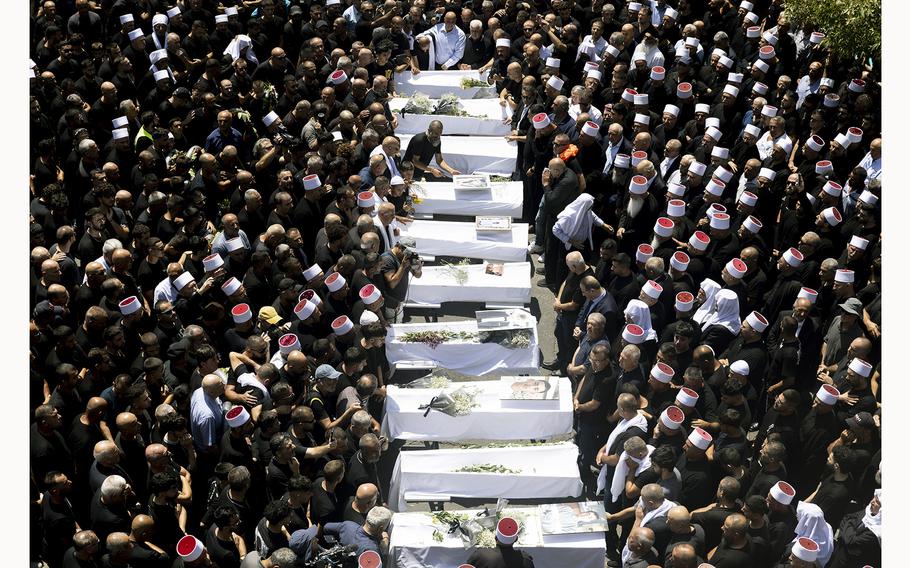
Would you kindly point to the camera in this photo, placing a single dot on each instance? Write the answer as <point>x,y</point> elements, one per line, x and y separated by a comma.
<point>412,256</point>
<point>284,138</point>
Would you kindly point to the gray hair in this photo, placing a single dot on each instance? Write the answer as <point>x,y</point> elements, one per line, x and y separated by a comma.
<point>632,351</point>
<point>361,419</point>
<point>283,558</point>
<point>627,401</point>
<point>110,246</point>
<point>597,318</point>
<point>84,146</point>
<point>379,518</point>
<point>634,444</point>
<point>343,61</point>
<point>829,264</point>
<point>112,486</point>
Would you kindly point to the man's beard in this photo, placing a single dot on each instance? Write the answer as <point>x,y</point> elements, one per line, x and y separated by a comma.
<point>655,242</point>
<point>616,176</point>
<point>634,207</point>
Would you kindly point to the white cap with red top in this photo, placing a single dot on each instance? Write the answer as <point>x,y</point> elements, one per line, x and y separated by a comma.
<point>335,281</point>
<point>808,294</point>
<point>700,438</point>
<point>230,286</point>
<point>643,253</point>
<point>662,372</point>
<point>342,325</point>
<point>699,240</point>
<point>687,397</point>
<point>752,224</point>
<point>860,367</point>
<point>237,416</point>
<point>805,549</point>
<point>828,394</point>
<point>369,294</point>
<point>652,289</point>
<point>736,268</point>
<point>304,309</point>
<point>793,257</point>
<point>130,306</point>
<point>672,418</point>
<point>241,313</point>
<point>507,530</point>
<point>212,262</point>
<point>676,208</point>
<point>287,343</point>
<point>757,321</point>
<point>190,548</point>
<point>638,185</point>
<point>685,301</point>
<point>782,492</point>
<point>633,334</point>
<point>664,227</point>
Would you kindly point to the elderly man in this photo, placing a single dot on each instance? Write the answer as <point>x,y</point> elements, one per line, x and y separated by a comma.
<point>371,535</point>
<point>206,417</point>
<point>423,148</point>
<point>448,42</point>
<point>560,185</point>
<point>566,304</point>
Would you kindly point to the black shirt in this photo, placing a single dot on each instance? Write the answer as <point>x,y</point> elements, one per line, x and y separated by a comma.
<point>726,557</point>
<point>421,148</point>
<point>324,506</point>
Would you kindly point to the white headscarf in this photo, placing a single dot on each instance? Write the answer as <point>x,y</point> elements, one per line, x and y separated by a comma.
<point>577,220</point>
<point>160,19</point>
<point>235,48</point>
<point>639,314</point>
<point>623,425</point>
<point>710,287</point>
<point>874,522</point>
<point>810,523</point>
<point>725,312</point>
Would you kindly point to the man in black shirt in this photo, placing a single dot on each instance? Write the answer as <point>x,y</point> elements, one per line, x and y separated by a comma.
<point>57,517</point>
<point>713,517</point>
<point>736,549</point>
<point>781,518</point>
<point>817,430</point>
<point>695,470</point>
<point>567,303</point>
<point>325,506</point>
<point>360,504</point>
<point>591,401</point>
<point>423,148</point>
<point>397,265</point>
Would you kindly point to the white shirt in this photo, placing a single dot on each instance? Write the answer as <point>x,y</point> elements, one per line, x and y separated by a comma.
<point>744,185</point>
<point>665,164</point>
<point>610,155</point>
<point>592,48</point>
<point>449,45</point>
<point>594,114</point>
<point>164,291</point>
<point>765,144</point>
<point>352,15</point>
<point>206,419</point>
<point>389,162</point>
<point>873,167</point>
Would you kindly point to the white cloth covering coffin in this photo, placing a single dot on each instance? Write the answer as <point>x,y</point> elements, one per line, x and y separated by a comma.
<point>549,471</point>
<point>437,284</point>
<point>471,154</point>
<point>473,359</point>
<point>494,419</point>
<point>441,198</point>
<point>453,238</point>
<point>435,84</point>
<point>411,545</point>
<point>485,120</point>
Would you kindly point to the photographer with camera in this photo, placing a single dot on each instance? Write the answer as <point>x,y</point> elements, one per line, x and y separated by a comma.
<point>394,267</point>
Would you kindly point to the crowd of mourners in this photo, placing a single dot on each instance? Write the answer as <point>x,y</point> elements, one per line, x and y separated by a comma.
<point>217,248</point>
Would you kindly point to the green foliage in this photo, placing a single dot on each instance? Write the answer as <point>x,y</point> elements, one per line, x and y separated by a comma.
<point>852,27</point>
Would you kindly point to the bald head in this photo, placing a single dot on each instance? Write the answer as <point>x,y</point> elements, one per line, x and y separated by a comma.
<point>142,527</point>
<point>106,453</point>
<point>155,452</point>
<point>367,493</point>
<point>213,386</point>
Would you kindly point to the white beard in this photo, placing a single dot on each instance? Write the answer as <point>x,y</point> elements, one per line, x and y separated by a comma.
<point>655,242</point>
<point>633,208</point>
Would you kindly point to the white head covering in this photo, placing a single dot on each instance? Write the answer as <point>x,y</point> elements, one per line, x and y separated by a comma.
<point>874,522</point>
<point>639,314</point>
<point>725,313</point>
<point>577,219</point>
<point>810,523</point>
<point>710,287</point>
<point>236,46</point>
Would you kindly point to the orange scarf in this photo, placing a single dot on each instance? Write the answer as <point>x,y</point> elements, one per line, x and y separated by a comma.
<point>570,152</point>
